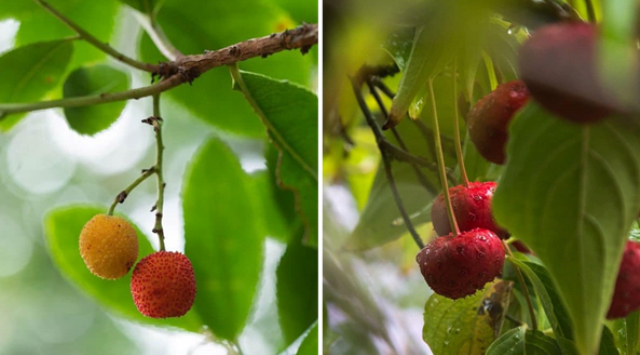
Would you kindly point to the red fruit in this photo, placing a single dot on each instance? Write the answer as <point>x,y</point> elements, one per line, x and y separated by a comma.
<point>471,206</point>
<point>163,285</point>
<point>458,266</point>
<point>489,119</point>
<point>626,296</point>
<point>559,65</point>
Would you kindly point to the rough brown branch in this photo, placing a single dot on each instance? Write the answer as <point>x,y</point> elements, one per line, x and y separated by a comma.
<point>186,69</point>
<point>302,37</point>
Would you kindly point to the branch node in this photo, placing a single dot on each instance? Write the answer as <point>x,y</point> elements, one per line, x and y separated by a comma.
<point>122,196</point>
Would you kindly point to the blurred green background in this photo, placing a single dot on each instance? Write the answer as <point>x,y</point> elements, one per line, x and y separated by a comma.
<point>44,164</point>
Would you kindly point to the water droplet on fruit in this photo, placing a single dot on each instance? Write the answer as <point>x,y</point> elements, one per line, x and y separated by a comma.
<point>460,249</point>
<point>480,256</point>
<point>463,272</point>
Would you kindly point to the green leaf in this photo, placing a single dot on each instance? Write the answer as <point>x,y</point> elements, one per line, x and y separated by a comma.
<point>467,325</point>
<point>545,291</point>
<point>571,192</point>
<point>626,333</point>
<point>97,17</point>
<point>276,207</point>
<point>95,80</point>
<point>222,236</point>
<point>290,114</point>
<point>297,290</point>
<point>195,26</point>
<point>62,229</point>
<point>29,72</point>
<point>301,11</point>
<point>144,6</point>
<point>607,343</point>
<point>309,345</point>
<point>519,341</point>
<point>442,34</point>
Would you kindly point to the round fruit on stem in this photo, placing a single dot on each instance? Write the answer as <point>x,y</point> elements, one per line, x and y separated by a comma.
<point>489,119</point>
<point>163,285</point>
<point>626,295</point>
<point>458,266</point>
<point>108,246</point>
<point>471,206</point>
<point>559,65</point>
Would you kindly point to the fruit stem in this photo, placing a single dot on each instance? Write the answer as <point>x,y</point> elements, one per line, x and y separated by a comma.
<point>124,193</point>
<point>456,128</point>
<point>591,12</point>
<point>442,169</point>
<point>381,140</point>
<point>157,127</point>
<point>419,174</point>
<point>525,289</point>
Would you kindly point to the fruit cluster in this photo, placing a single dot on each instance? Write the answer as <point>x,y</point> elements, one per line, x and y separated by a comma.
<point>558,67</point>
<point>162,284</point>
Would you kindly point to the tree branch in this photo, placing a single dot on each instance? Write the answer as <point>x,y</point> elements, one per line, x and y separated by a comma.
<point>302,37</point>
<point>380,139</point>
<point>95,42</point>
<point>186,69</point>
<point>138,93</point>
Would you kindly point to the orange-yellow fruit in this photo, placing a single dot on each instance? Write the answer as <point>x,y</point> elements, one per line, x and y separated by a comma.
<point>163,285</point>
<point>109,246</point>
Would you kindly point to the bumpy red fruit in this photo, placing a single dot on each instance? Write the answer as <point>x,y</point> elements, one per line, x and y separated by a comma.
<point>471,206</point>
<point>626,296</point>
<point>489,119</point>
<point>559,65</point>
<point>458,266</point>
<point>163,285</point>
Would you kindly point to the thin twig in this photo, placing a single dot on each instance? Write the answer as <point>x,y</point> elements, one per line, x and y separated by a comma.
<point>156,122</point>
<point>377,131</point>
<point>421,177</point>
<point>124,193</point>
<point>138,93</point>
<point>441,165</point>
<point>185,69</point>
<point>456,128</point>
<point>96,42</point>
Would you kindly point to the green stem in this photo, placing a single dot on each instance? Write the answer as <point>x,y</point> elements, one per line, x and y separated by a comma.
<point>442,169</point>
<point>525,289</point>
<point>138,93</point>
<point>157,126</point>
<point>123,195</point>
<point>95,42</point>
<point>591,12</point>
<point>158,37</point>
<point>456,129</point>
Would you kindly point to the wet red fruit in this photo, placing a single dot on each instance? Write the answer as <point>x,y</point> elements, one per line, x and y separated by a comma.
<point>471,206</point>
<point>163,285</point>
<point>489,119</point>
<point>458,266</point>
<point>559,65</point>
<point>626,296</point>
